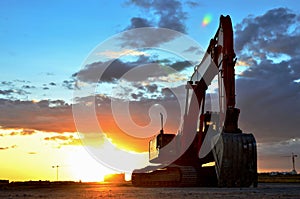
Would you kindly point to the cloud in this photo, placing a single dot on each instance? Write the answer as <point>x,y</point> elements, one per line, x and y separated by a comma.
<point>14,133</point>
<point>27,132</point>
<point>6,92</point>
<point>19,132</point>
<point>58,137</point>
<point>194,49</point>
<point>10,92</point>
<point>147,37</point>
<point>55,116</point>
<point>180,65</point>
<point>160,14</point>
<point>117,54</point>
<point>267,93</point>
<point>49,74</point>
<point>137,96</point>
<point>281,148</point>
<point>15,89</point>
<point>111,70</point>
<point>139,70</point>
<point>151,88</point>
<point>70,84</point>
<point>21,81</point>
<point>28,87</point>
<point>8,147</point>
<point>44,115</point>
<point>279,24</point>
<point>169,13</point>
<point>144,91</point>
<point>138,22</point>
<point>64,139</point>
<point>141,113</point>
<point>193,4</point>
<point>6,83</point>
<point>277,156</point>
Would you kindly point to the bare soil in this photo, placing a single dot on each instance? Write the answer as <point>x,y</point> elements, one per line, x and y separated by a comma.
<point>79,191</point>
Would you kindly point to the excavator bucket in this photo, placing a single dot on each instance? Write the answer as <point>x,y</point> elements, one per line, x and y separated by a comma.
<point>235,160</point>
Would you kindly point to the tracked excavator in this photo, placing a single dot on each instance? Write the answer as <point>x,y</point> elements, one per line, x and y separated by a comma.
<point>230,159</point>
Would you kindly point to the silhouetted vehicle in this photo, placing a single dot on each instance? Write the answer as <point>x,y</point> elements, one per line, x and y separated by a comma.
<point>230,159</point>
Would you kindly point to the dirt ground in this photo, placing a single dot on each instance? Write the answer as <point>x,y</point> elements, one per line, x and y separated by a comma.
<point>263,191</point>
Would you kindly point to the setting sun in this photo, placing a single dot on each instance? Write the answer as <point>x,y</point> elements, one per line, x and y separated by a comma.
<point>84,167</point>
<point>47,156</point>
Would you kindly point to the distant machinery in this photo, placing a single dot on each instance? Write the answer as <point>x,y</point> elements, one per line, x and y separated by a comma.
<point>115,178</point>
<point>293,156</point>
<point>293,162</point>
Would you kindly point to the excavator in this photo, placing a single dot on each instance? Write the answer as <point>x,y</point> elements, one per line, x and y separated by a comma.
<point>230,159</point>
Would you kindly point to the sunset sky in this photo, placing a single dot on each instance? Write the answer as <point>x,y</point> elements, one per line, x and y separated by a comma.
<point>51,52</point>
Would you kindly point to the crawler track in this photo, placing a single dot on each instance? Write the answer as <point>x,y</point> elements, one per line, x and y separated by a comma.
<point>173,175</point>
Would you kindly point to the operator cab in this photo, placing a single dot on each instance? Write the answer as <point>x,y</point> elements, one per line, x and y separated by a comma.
<point>161,149</point>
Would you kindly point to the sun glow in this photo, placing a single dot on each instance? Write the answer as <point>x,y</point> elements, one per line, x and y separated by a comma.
<point>84,167</point>
<point>117,155</point>
<point>40,152</point>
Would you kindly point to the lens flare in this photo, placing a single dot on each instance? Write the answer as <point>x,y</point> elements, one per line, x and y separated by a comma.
<point>206,20</point>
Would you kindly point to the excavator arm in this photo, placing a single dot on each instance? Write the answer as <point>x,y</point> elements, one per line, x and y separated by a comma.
<point>220,59</point>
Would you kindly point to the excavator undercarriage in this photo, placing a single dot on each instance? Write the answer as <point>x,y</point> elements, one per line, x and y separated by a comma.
<point>235,165</point>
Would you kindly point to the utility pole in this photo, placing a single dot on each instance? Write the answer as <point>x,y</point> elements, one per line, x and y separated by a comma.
<point>56,171</point>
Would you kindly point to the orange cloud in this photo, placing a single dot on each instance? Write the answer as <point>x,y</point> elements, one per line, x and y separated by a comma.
<point>58,137</point>
<point>64,140</point>
<point>27,132</point>
<point>8,147</point>
<point>23,132</point>
<point>42,116</point>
